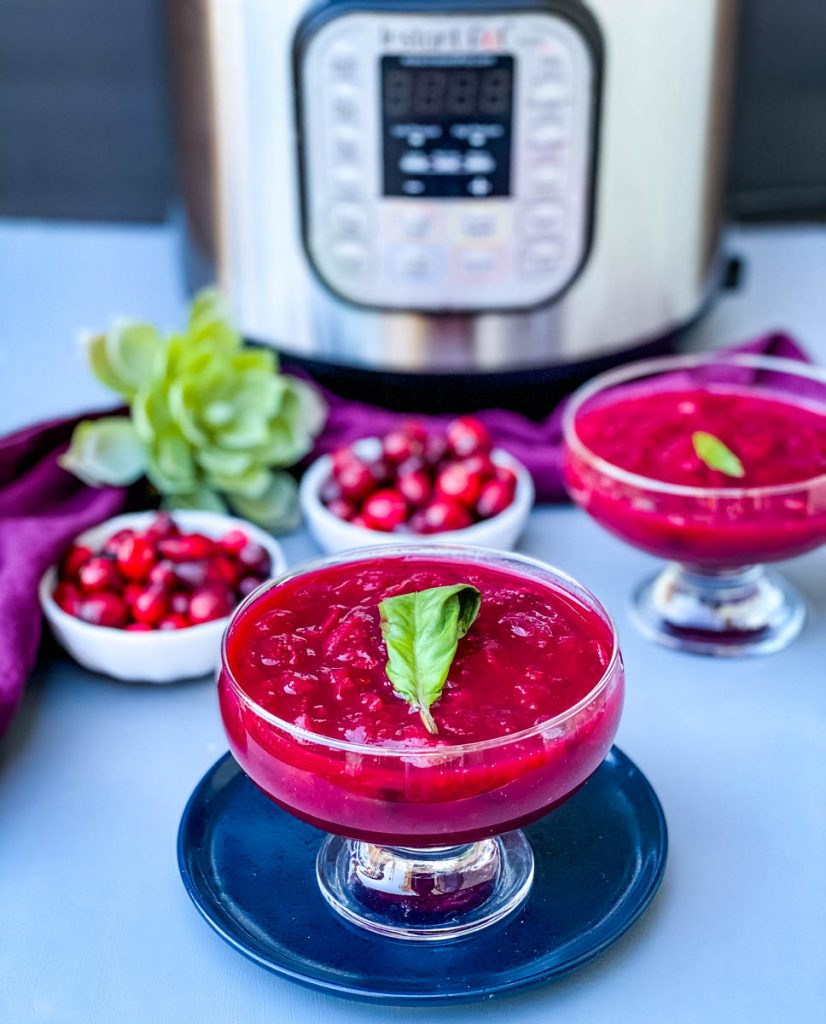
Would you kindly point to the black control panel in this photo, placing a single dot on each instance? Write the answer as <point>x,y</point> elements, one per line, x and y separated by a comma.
<point>447,125</point>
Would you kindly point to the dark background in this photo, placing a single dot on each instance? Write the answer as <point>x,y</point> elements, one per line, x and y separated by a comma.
<point>85,122</point>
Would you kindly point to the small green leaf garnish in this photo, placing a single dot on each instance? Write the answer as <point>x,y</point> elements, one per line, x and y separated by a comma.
<point>716,455</point>
<point>422,631</point>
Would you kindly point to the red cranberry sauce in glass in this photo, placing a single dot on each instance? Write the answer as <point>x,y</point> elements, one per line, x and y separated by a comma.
<point>528,712</point>
<point>777,509</point>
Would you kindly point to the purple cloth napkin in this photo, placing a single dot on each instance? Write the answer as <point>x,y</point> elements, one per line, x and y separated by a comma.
<point>536,445</point>
<point>42,507</point>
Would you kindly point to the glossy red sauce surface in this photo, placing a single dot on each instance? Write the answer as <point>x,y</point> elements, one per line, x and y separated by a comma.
<point>650,433</point>
<point>311,652</point>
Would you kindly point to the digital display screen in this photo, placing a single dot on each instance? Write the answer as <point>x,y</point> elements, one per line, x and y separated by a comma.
<point>447,125</point>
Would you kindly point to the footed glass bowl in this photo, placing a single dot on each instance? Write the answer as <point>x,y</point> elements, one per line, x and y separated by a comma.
<point>425,841</point>
<point>715,596</point>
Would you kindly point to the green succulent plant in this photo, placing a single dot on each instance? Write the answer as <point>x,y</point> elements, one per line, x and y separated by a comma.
<point>212,423</point>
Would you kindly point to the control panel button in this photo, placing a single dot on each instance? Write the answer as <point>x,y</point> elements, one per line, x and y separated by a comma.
<point>547,91</point>
<point>479,224</point>
<point>479,162</point>
<point>547,132</point>
<point>479,186</point>
<point>449,162</point>
<point>344,143</point>
<point>342,59</point>
<point>348,180</point>
<point>541,257</point>
<point>351,257</point>
<point>345,102</point>
<point>414,263</point>
<point>349,221</point>
<point>542,219</point>
<point>478,262</point>
<point>415,223</point>
<point>414,162</point>
<point>547,178</point>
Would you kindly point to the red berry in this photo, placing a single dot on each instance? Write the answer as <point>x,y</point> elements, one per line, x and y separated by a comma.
<point>381,471</point>
<point>385,510</point>
<point>355,480</point>
<point>163,573</point>
<point>174,622</point>
<point>359,520</point>
<point>248,584</point>
<point>189,547</point>
<point>415,486</point>
<point>113,543</point>
<point>68,597</point>
<point>495,498</point>
<point>342,457</point>
<point>415,430</point>
<point>210,603</point>
<point>444,514</point>
<point>234,542</point>
<point>99,573</point>
<point>254,557</point>
<point>161,527</point>
<point>342,508</point>
<point>192,574</point>
<point>179,603</point>
<point>330,490</point>
<point>224,570</point>
<point>482,465</point>
<point>136,556</point>
<point>150,605</point>
<point>435,449</point>
<point>455,481</point>
<point>398,446</point>
<point>75,557</point>
<point>467,436</point>
<point>505,475</point>
<point>138,627</point>
<point>105,608</point>
<point>131,591</point>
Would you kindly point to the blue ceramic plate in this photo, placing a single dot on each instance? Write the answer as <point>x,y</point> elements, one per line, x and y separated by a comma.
<point>249,868</point>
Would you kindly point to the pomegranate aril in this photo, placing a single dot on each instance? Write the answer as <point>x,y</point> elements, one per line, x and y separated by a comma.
<point>456,482</point>
<point>99,573</point>
<point>150,605</point>
<point>75,557</point>
<point>467,436</point>
<point>189,547</point>
<point>495,498</point>
<point>385,510</point>
<point>209,603</point>
<point>105,608</point>
<point>136,557</point>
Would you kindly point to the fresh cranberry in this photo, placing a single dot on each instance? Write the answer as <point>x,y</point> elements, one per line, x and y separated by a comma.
<point>248,584</point>
<point>435,449</point>
<point>136,556</point>
<point>481,465</point>
<point>210,603</point>
<point>192,574</point>
<point>415,430</point>
<point>443,514</point>
<point>385,510</point>
<point>496,496</point>
<point>68,597</point>
<point>163,573</point>
<point>104,608</point>
<point>456,482</point>
<point>398,446</point>
<point>342,508</point>
<point>505,475</point>
<point>355,480</point>
<point>224,570</point>
<point>174,622</point>
<point>414,485</point>
<point>467,436</point>
<point>255,558</point>
<point>131,592</point>
<point>359,520</point>
<point>99,573</point>
<point>112,544</point>
<point>381,471</point>
<point>234,542</point>
<point>162,527</point>
<point>189,547</point>
<point>75,557</point>
<point>150,605</point>
<point>330,490</point>
<point>342,457</point>
<point>138,627</point>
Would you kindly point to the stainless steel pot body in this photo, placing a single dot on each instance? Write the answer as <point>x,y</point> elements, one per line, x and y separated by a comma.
<point>654,252</point>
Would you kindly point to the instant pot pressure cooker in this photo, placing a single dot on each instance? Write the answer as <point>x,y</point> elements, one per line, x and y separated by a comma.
<point>455,201</point>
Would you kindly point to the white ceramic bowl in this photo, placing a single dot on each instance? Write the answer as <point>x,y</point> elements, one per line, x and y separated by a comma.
<point>333,534</point>
<point>161,656</point>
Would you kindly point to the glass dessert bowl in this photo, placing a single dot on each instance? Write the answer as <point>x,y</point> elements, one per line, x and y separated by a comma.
<point>425,840</point>
<point>717,463</point>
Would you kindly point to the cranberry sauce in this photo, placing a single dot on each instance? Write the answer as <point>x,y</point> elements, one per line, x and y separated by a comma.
<point>310,652</point>
<point>649,433</point>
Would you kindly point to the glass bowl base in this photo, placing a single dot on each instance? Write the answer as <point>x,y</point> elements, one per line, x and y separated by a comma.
<point>425,894</point>
<point>720,612</point>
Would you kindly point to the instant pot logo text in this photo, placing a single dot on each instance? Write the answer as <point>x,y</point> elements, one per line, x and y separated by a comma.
<point>484,38</point>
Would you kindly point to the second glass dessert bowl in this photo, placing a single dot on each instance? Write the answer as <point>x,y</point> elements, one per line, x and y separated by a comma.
<point>424,830</point>
<point>717,463</point>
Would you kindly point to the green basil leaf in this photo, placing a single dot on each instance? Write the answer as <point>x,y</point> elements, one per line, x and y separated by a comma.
<point>716,455</point>
<point>421,631</point>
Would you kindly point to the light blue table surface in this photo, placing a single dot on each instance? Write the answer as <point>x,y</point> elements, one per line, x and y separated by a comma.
<point>95,926</point>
